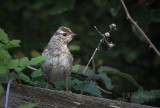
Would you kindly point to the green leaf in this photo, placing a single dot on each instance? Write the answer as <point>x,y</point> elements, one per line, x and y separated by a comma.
<point>3,70</point>
<point>76,67</point>
<point>36,73</point>
<point>88,72</point>
<point>106,80</point>
<point>59,85</point>
<point>4,57</point>
<point>37,60</point>
<point>19,69</point>
<point>107,68</point>
<point>142,96</point>
<point>13,64</point>
<point>11,44</point>
<point>28,105</point>
<point>72,82</point>
<point>88,87</point>
<point>121,99</point>
<point>24,62</point>
<point>112,71</point>
<point>1,90</point>
<point>24,77</point>
<point>3,36</point>
<point>41,84</point>
<point>5,77</point>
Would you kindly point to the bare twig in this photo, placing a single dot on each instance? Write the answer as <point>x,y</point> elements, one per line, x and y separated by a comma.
<point>139,29</point>
<point>110,45</point>
<point>94,54</point>
<point>32,68</point>
<point>101,34</point>
<point>105,38</point>
<point>104,90</point>
<point>7,93</point>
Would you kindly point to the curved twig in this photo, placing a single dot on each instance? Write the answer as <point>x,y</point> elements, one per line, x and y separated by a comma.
<point>7,93</point>
<point>139,29</point>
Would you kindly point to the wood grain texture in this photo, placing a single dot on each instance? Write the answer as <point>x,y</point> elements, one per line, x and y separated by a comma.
<point>22,94</point>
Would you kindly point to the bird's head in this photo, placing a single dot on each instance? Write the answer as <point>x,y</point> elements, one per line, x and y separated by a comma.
<point>63,35</point>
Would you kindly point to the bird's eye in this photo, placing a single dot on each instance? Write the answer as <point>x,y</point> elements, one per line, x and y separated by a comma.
<point>64,34</point>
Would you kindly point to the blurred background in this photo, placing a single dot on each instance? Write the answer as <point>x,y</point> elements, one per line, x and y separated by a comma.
<point>34,22</point>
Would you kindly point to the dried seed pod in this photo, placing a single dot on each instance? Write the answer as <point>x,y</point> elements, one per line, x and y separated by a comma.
<point>107,34</point>
<point>113,26</point>
<point>110,45</point>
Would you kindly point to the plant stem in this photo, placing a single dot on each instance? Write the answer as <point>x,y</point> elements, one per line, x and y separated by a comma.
<point>94,54</point>
<point>7,93</point>
<point>139,29</point>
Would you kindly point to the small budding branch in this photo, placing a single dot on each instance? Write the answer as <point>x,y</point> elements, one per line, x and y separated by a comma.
<point>104,39</point>
<point>151,45</point>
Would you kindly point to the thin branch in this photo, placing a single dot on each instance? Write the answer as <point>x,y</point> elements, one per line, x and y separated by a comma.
<point>104,90</point>
<point>94,54</point>
<point>100,42</point>
<point>139,29</point>
<point>102,34</point>
<point>32,68</point>
<point>7,93</point>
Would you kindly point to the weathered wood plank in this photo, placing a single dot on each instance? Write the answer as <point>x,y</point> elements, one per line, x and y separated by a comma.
<point>22,94</point>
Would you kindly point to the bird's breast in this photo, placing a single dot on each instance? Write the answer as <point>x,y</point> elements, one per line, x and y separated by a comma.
<point>59,65</point>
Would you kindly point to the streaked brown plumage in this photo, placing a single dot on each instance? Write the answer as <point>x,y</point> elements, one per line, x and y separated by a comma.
<point>59,66</point>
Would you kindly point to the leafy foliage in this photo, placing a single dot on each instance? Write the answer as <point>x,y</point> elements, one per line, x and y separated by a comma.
<point>1,89</point>
<point>37,60</point>
<point>3,37</point>
<point>106,80</point>
<point>142,96</point>
<point>36,73</point>
<point>3,70</point>
<point>89,72</point>
<point>11,44</point>
<point>4,57</point>
<point>28,106</point>
<point>7,63</point>
<point>113,71</point>
<point>24,77</point>
<point>76,67</point>
<point>13,64</point>
<point>88,87</point>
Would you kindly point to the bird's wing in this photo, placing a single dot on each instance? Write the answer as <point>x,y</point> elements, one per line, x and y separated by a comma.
<point>46,65</point>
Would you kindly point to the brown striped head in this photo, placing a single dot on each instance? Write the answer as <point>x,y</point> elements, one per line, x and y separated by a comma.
<point>63,35</point>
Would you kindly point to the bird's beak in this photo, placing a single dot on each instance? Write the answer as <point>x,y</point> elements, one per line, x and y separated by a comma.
<point>72,35</point>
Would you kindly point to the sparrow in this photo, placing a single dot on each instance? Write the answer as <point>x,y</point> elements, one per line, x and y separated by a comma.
<point>59,65</point>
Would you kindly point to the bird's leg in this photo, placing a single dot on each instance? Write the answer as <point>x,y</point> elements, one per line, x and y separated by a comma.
<point>66,79</point>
